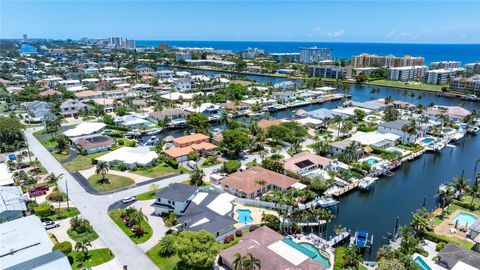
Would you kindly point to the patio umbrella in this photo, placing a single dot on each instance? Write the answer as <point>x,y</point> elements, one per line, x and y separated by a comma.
<point>456,223</point>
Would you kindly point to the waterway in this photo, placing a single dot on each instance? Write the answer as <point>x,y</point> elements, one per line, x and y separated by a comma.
<point>404,192</point>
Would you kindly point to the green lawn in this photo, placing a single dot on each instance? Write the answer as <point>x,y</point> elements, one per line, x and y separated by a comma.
<point>116,182</point>
<point>163,262</point>
<point>452,208</point>
<point>63,213</point>
<point>461,242</point>
<point>81,163</point>
<point>149,195</point>
<point>115,216</point>
<point>160,170</point>
<point>90,235</point>
<point>95,257</point>
<point>420,86</point>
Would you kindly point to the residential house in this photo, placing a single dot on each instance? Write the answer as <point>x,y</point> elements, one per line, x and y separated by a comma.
<point>305,162</point>
<point>284,96</point>
<point>452,255</point>
<point>373,106</point>
<point>174,117</point>
<point>396,126</point>
<point>187,144</point>
<point>274,251</point>
<point>340,147</point>
<point>183,85</point>
<point>26,245</point>
<point>377,139</point>
<point>37,111</point>
<point>208,109</point>
<point>285,85</point>
<point>454,113</point>
<point>131,121</point>
<point>174,198</point>
<point>131,157</point>
<point>94,143</point>
<point>88,95</point>
<point>71,108</point>
<point>107,103</point>
<point>84,129</point>
<point>12,203</point>
<point>247,184</point>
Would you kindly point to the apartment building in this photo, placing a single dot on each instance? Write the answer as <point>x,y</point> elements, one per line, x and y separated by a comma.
<point>473,67</point>
<point>471,84</point>
<point>406,73</point>
<point>314,54</point>
<point>445,65</point>
<point>331,72</point>
<point>441,76</point>
<point>286,57</point>
<point>372,60</point>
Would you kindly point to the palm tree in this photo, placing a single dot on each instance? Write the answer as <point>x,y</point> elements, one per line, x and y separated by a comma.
<point>102,169</point>
<point>251,262</point>
<point>196,177</point>
<point>62,143</point>
<point>166,245</point>
<point>460,184</point>
<point>409,128</point>
<point>238,262</point>
<point>11,165</point>
<point>352,257</point>
<point>83,246</point>
<point>420,220</point>
<point>474,191</point>
<point>446,197</point>
<point>337,119</point>
<point>137,216</point>
<point>52,178</point>
<point>318,184</point>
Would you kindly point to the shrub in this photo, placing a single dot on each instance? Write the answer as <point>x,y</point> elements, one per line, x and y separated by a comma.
<point>94,161</point>
<point>80,225</point>
<point>130,143</point>
<point>252,228</point>
<point>171,162</point>
<point>122,167</point>
<point>121,141</point>
<point>43,210</point>
<point>65,247</point>
<point>138,230</point>
<point>440,246</point>
<point>53,238</point>
<point>228,239</point>
<point>238,233</point>
<point>56,196</point>
<point>231,166</point>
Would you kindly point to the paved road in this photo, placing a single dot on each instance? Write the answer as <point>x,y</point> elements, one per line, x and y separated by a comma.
<point>94,207</point>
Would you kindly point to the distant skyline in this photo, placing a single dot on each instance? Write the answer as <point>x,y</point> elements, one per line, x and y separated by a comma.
<point>387,21</point>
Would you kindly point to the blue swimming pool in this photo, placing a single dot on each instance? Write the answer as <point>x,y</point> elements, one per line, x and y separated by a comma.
<point>464,219</point>
<point>319,256</point>
<point>371,161</point>
<point>244,216</point>
<point>422,263</point>
<point>428,140</point>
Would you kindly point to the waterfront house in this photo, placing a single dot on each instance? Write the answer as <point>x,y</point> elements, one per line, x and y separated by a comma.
<point>71,108</point>
<point>396,126</point>
<point>374,106</point>
<point>94,143</point>
<point>26,245</point>
<point>108,104</point>
<point>37,111</point>
<point>208,109</point>
<point>88,95</point>
<point>12,203</point>
<point>454,113</point>
<point>452,256</point>
<point>245,184</point>
<point>84,129</point>
<point>341,146</point>
<point>272,249</point>
<point>284,96</point>
<point>377,139</point>
<point>176,117</point>
<point>130,157</point>
<point>183,85</point>
<point>164,74</point>
<point>239,109</point>
<point>321,114</point>
<point>305,162</point>
<point>349,111</point>
<point>198,208</point>
<point>187,144</point>
<point>284,85</point>
<point>131,121</point>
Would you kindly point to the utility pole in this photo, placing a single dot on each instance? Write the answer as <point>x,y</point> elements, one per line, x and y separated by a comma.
<point>66,191</point>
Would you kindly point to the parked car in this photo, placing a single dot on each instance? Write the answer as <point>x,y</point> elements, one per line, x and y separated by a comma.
<point>192,164</point>
<point>50,225</point>
<point>128,199</point>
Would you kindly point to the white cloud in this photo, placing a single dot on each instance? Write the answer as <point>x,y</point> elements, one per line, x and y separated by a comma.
<point>394,35</point>
<point>336,33</point>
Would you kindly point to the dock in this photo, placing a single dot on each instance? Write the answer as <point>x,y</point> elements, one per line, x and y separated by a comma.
<point>346,189</point>
<point>339,238</point>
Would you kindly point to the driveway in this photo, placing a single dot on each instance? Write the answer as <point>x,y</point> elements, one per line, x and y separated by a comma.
<point>156,222</point>
<point>94,207</point>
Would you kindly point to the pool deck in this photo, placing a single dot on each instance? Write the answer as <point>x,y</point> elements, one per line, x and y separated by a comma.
<point>444,227</point>
<point>429,262</point>
<point>317,242</point>
<point>255,212</point>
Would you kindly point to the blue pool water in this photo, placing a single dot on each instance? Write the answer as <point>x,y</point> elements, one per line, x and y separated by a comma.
<point>244,216</point>
<point>465,219</point>
<point>371,161</point>
<point>422,263</point>
<point>428,140</point>
<point>319,257</point>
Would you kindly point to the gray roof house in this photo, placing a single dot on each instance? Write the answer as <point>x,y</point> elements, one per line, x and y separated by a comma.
<point>12,203</point>
<point>37,110</point>
<point>452,254</point>
<point>321,114</point>
<point>373,105</point>
<point>71,107</point>
<point>26,245</point>
<point>395,127</point>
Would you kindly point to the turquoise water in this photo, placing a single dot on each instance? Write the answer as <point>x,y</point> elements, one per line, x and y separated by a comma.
<point>422,264</point>
<point>244,216</point>
<point>428,140</point>
<point>465,219</point>
<point>371,161</point>
<point>319,257</point>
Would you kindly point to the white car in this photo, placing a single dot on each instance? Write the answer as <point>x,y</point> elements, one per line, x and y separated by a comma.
<point>128,199</point>
<point>50,225</point>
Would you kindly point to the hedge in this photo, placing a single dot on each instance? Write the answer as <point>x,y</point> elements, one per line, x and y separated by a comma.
<point>171,162</point>
<point>65,247</point>
<point>231,166</point>
<point>43,210</point>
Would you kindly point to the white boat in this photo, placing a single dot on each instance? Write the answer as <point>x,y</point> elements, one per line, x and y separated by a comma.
<point>435,147</point>
<point>367,183</point>
<point>473,130</point>
<point>457,136</point>
<point>154,131</point>
<point>327,201</point>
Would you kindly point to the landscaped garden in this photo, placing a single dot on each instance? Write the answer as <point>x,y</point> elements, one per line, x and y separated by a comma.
<point>93,258</point>
<point>133,223</point>
<point>111,182</point>
<point>81,230</point>
<point>161,169</point>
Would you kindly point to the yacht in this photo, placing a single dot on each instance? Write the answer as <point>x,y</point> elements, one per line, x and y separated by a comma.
<point>473,130</point>
<point>367,183</point>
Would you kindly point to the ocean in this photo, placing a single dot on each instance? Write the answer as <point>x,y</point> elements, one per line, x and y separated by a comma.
<point>465,53</point>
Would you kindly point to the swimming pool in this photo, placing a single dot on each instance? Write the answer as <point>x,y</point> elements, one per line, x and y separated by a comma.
<point>371,161</point>
<point>320,258</point>
<point>422,263</point>
<point>244,216</point>
<point>428,140</point>
<point>464,219</point>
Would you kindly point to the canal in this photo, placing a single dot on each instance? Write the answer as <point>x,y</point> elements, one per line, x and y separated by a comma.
<point>412,184</point>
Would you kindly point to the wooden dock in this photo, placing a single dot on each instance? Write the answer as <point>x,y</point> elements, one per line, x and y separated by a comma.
<point>346,189</point>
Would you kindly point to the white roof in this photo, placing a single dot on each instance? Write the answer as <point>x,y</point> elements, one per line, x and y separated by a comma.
<point>370,138</point>
<point>200,222</point>
<point>24,239</point>
<point>203,107</point>
<point>76,88</point>
<point>5,175</point>
<point>298,185</point>
<point>463,266</point>
<point>308,120</point>
<point>350,110</point>
<point>130,155</point>
<point>85,128</point>
<point>177,95</point>
<point>222,204</point>
<point>90,80</point>
<point>12,199</point>
<point>287,252</point>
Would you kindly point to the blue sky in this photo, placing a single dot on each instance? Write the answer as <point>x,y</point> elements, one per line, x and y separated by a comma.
<point>395,21</point>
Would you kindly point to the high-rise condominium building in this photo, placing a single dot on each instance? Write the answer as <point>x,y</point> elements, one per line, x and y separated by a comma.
<point>372,60</point>
<point>314,54</point>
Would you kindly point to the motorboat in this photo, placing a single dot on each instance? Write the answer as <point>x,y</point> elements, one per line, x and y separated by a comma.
<point>367,183</point>
<point>154,131</point>
<point>361,239</point>
<point>473,130</point>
